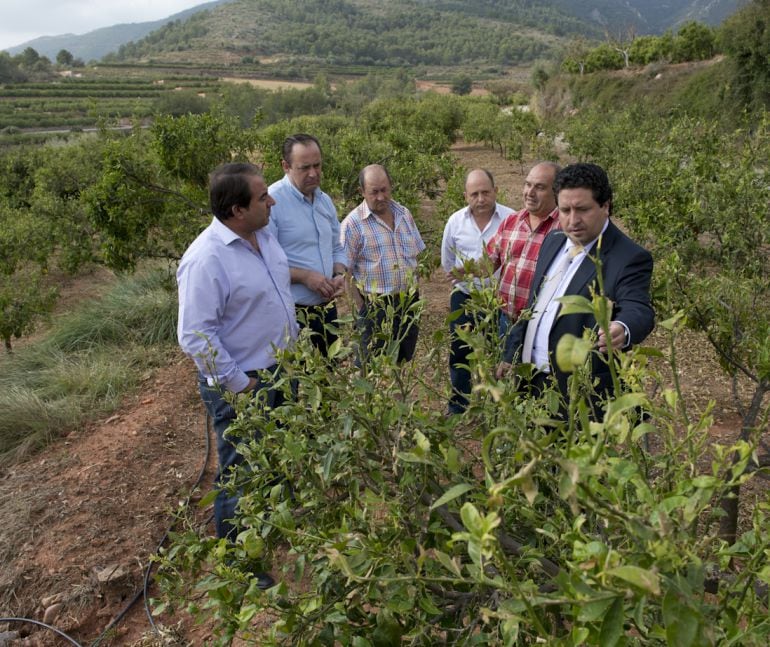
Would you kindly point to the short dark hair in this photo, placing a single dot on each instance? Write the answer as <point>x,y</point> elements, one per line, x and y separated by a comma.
<point>297,138</point>
<point>585,175</point>
<point>362,175</point>
<point>229,187</point>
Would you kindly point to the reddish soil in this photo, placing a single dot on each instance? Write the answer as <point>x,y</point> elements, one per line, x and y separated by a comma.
<point>105,495</point>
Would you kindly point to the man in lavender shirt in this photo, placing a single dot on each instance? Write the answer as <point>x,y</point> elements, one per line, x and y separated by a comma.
<point>235,309</point>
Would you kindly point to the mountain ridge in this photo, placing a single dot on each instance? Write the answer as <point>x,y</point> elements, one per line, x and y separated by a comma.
<point>95,44</point>
<point>560,18</point>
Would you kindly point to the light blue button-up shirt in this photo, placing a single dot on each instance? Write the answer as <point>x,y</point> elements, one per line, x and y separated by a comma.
<point>309,233</point>
<point>235,306</point>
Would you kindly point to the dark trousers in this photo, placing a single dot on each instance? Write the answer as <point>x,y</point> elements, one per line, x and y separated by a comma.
<point>317,318</point>
<point>222,414</point>
<point>459,375</point>
<point>405,331</point>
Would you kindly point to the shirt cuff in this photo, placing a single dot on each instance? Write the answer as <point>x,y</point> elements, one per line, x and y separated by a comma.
<point>627,342</point>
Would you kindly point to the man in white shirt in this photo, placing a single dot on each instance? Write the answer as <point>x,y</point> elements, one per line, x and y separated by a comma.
<point>466,235</point>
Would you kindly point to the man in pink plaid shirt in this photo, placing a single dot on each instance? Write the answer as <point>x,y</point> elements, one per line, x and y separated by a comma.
<point>382,243</point>
<point>516,245</point>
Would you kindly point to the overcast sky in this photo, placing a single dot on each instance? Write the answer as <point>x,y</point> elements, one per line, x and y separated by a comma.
<point>23,20</point>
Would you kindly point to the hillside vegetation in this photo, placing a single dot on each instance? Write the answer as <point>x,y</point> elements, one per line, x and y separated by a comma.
<point>395,33</point>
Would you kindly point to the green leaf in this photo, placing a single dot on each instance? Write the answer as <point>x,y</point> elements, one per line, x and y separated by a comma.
<point>592,610</point>
<point>448,563</point>
<point>208,499</point>
<point>612,625</point>
<point>471,518</point>
<point>409,457</point>
<point>681,620</point>
<point>575,304</point>
<point>451,494</point>
<point>638,577</point>
<point>427,605</point>
<point>642,429</point>
<point>705,481</point>
<point>571,352</point>
<point>624,403</point>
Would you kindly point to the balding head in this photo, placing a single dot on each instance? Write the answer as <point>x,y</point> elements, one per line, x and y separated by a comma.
<point>539,198</point>
<point>480,193</point>
<point>376,186</point>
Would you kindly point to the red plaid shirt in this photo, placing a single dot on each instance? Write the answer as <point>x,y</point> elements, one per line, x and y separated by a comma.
<point>514,248</point>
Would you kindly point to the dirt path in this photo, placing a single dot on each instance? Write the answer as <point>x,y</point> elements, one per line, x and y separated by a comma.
<point>103,497</point>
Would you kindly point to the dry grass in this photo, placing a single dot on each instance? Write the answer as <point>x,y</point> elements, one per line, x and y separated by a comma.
<point>269,84</point>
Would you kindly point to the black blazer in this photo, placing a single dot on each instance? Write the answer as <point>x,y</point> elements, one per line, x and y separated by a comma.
<point>627,273</point>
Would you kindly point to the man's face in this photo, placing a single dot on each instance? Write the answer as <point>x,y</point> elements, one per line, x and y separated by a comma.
<point>580,216</point>
<point>304,169</point>
<point>376,191</point>
<point>257,214</point>
<point>480,195</point>
<point>538,191</point>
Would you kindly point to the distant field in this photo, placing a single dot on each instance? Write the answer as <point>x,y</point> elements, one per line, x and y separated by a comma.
<point>269,84</point>
<point>445,88</point>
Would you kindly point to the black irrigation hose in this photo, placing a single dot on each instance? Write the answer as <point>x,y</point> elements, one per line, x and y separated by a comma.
<point>147,574</point>
<point>69,639</point>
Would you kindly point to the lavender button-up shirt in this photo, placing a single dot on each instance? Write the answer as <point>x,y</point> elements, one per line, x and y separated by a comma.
<point>235,306</point>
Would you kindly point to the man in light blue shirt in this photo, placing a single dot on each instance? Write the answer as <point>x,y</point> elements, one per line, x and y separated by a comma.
<point>235,310</point>
<point>305,223</point>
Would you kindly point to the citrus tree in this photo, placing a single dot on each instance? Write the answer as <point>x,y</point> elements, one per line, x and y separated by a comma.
<point>390,524</point>
<point>698,193</point>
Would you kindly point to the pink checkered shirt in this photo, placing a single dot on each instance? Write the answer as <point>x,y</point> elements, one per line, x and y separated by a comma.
<point>515,248</point>
<point>381,259</point>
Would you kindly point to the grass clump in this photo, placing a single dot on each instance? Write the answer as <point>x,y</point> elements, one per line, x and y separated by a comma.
<point>86,363</point>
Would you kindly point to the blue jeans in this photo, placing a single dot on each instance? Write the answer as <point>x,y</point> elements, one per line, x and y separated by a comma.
<point>459,375</point>
<point>222,414</point>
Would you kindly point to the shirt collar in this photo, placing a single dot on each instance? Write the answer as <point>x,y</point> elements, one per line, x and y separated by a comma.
<point>223,232</point>
<point>296,192</point>
<point>588,246</point>
<point>554,215</point>
<point>495,213</point>
<point>366,211</point>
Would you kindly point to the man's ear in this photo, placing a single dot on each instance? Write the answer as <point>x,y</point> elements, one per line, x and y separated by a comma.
<point>285,166</point>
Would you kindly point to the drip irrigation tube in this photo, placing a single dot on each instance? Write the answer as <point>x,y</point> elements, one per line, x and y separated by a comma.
<point>143,592</point>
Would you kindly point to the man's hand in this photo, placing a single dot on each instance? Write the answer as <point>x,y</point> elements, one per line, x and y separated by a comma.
<point>251,385</point>
<point>502,370</point>
<point>455,275</point>
<point>318,283</point>
<point>338,283</point>
<point>617,337</point>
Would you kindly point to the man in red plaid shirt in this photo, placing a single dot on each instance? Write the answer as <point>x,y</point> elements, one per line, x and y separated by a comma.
<point>516,245</point>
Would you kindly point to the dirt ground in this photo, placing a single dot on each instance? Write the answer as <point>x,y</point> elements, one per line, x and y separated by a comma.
<point>103,497</point>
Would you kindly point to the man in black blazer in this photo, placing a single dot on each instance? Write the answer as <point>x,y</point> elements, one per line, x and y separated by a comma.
<point>567,266</point>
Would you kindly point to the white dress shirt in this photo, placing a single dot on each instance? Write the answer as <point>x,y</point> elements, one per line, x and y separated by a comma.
<point>463,240</point>
<point>540,345</point>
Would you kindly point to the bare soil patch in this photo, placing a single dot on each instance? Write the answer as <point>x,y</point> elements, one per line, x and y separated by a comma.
<point>105,495</point>
<point>270,84</point>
